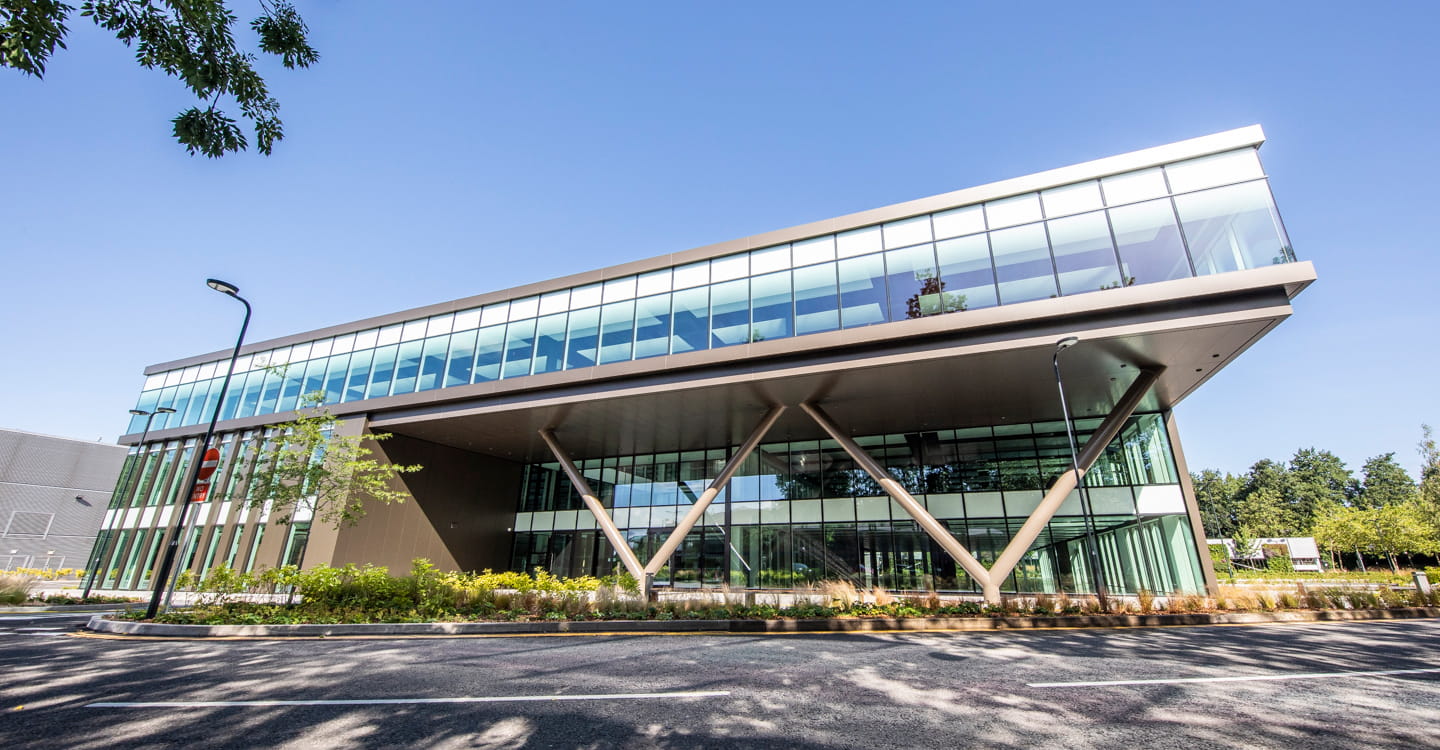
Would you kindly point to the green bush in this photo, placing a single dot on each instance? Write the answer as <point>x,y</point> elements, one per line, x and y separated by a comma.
<point>1280,564</point>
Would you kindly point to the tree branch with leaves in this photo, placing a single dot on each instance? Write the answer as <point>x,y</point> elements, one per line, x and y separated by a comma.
<point>191,40</point>
<point>305,467</point>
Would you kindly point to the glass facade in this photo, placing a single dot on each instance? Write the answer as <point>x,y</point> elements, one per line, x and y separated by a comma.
<point>1201,216</point>
<point>802,511</point>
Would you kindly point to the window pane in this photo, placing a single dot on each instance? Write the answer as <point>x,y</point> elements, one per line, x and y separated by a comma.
<point>383,371</point>
<point>1072,199</point>
<point>270,389</point>
<point>314,378</point>
<point>1133,186</point>
<point>1022,264</point>
<point>519,345</point>
<point>1149,240</point>
<point>198,400</point>
<point>652,326</point>
<point>1210,171</point>
<point>359,374</point>
<point>617,332</point>
<point>817,301</point>
<point>862,291</point>
<point>967,277</point>
<point>914,282</point>
<point>1008,212</point>
<point>857,242</point>
<point>691,320</point>
<point>407,367</point>
<point>1231,228</point>
<point>251,395</point>
<point>815,250</point>
<point>771,299</point>
<point>432,363</point>
<point>550,343</point>
<point>489,351</point>
<point>583,340</point>
<point>907,232</point>
<point>730,313</point>
<point>1084,254</point>
<point>461,359</point>
<point>335,378</point>
<point>290,386</point>
<point>958,222</point>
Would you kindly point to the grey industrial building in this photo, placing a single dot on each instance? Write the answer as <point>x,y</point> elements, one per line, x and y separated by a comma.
<point>53,496</point>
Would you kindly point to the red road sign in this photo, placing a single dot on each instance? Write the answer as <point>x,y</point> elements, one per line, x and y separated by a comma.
<point>209,462</point>
<point>201,490</point>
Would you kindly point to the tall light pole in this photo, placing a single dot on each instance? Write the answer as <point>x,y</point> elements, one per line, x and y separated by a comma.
<point>110,544</point>
<point>164,573</point>
<point>1097,575</point>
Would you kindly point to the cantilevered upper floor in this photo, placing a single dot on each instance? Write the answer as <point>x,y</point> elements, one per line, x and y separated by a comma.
<point>1178,237</point>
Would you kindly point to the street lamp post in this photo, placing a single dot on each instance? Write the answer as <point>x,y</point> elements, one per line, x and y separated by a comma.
<point>165,565</point>
<point>109,546</point>
<point>1091,541</point>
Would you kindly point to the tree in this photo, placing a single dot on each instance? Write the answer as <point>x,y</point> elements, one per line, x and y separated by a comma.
<point>1340,529</point>
<point>1318,479</point>
<point>932,297</point>
<point>1402,529</point>
<point>1385,483</point>
<point>192,40</point>
<point>1429,471</point>
<point>1218,497</point>
<point>304,466</point>
<point>1264,513</point>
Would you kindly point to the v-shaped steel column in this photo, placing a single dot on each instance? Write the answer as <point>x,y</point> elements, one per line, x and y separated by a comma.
<point>1067,482</point>
<point>991,579</point>
<point>617,540</point>
<point>697,509</point>
<point>592,502</point>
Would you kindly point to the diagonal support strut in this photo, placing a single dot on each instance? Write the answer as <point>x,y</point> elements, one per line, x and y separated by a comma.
<point>1067,482</point>
<point>592,502</point>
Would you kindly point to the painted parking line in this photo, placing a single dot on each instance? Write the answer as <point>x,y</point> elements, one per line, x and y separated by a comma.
<point>395,701</point>
<point>1249,678</point>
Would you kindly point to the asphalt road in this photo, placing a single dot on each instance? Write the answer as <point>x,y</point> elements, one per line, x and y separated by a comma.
<point>1198,688</point>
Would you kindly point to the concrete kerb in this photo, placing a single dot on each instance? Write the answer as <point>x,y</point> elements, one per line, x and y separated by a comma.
<point>100,624</point>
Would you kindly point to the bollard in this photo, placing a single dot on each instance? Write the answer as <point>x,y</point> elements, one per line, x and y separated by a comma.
<point>1422,582</point>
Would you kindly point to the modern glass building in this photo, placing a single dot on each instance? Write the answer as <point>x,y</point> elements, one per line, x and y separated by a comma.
<point>869,398</point>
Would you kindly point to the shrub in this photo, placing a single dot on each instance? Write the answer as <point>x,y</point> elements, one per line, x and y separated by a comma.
<point>15,587</point>
<point>1280,564</point>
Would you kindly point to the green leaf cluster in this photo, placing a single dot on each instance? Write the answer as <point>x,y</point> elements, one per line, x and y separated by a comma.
<point>190,40</point>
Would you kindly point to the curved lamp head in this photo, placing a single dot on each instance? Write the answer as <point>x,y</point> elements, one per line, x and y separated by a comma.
<point>164,410</point>
<point>223,287</point>
<point>1066,343</point>
<point>140,412</point>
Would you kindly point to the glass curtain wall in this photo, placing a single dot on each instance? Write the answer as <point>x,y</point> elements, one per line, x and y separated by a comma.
<point>802,511</point>
<point>1209,215</point>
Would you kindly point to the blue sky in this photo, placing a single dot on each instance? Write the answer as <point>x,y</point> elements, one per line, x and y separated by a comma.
<point>516,142</point>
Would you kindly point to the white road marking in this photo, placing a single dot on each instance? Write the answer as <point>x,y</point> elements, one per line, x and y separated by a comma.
<point>1251,678</point>
<point>36,629</point>
<point>391,701</point>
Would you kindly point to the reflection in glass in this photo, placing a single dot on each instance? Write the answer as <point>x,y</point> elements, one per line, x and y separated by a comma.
<point>550,343</point>
<point>817,301</point>
<point>489,352</point>
<point>966,276</point>
<point>582,344</point>
<point>432,363</point>
<point>914,283</point>
<point>461,359</point>
<point>407,367</point>
<point>1149,242</point>
<point>772,303</point>
<point>691,320</point>
<point>1084,254</point>
<point>617,331</point>
<point>382,371</point>
<point>730,313</point>
<point>1233,228</point>
<point>862,291</point>
<point>1022,264</point>
<point>652,326</point>
<point>519,348</point>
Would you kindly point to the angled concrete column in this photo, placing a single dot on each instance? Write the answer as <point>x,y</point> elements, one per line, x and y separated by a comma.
<point>1067,482</point>
<point>697,509</point>
<point>592,502</point>
<point>934,528</point>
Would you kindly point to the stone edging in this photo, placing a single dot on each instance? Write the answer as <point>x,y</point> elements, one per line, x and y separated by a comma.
<point>51,609</point>
<point>843,625</point>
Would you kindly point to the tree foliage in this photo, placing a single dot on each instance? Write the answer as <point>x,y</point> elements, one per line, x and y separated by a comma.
<point>191,40</point>
<point>1385,483</point>
<point>304,466</point>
